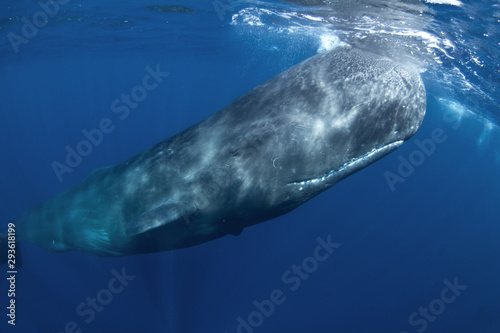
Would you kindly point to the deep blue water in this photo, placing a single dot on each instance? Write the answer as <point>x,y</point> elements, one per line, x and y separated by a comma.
<point>397,246</point>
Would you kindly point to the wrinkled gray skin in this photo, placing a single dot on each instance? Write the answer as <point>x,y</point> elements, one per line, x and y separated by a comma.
<point>261,156</point>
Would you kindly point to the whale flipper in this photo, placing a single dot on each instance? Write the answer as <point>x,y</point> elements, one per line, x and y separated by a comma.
<point>156,218</point>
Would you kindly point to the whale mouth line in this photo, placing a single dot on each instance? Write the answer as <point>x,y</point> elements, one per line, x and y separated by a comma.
<point>352,166</point>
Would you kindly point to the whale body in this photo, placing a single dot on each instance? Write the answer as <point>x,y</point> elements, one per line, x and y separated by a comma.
<point>261,156</point>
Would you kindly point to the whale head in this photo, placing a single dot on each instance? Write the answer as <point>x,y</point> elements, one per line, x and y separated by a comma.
<point>366,106</point>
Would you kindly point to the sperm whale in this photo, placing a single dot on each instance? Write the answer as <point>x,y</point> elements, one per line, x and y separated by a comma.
<point>261,156</point>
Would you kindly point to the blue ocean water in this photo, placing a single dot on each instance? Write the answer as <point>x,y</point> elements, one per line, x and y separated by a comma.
<point>410,256</point>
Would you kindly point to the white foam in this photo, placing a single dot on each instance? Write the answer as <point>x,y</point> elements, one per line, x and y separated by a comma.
<point>445,2</point>
<point>328,41</point>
